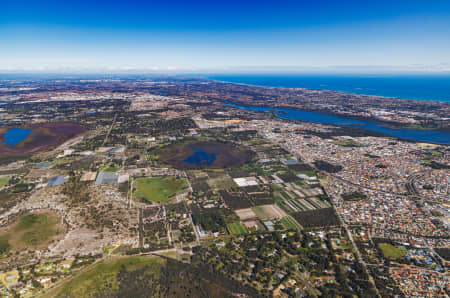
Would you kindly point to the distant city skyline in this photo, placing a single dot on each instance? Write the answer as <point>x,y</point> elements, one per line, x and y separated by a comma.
<point>231,36</point>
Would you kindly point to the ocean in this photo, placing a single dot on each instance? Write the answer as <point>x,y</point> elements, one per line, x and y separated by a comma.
<point>419,87</point>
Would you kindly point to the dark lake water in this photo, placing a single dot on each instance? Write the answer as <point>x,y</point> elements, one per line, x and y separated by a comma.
<point>200,157</point>
<point>16,135</point>
<point>408,134</point>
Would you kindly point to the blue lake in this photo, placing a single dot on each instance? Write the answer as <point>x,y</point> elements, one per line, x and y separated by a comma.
<point>16,135</point>
<point>408,134</point>
<point>201,157</point>
<point>43,165</point>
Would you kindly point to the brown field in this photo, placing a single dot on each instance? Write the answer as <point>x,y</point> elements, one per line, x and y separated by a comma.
<point>245,214</point>
<point>250,223</point>
<point>43,136</point>
<point>89,176</point>
<point>269,212</point>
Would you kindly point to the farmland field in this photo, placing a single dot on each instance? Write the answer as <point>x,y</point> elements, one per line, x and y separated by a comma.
<point>317,218</point>
<point>159,189</point>
<point>289,223</point>
<point>246,213</point>
<point>236,228</point>
<point>269,212</point>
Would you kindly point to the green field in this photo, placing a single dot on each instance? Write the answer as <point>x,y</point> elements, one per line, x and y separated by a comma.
<point>347,143</point>
<point>391,252</point>
<point>109,169</point>
<point>236,228</point>
<point>289,223</point>
<point>108,275</point>
<point>37,228</point>
<point>4,245</point>
<point>308,173</point>
<point>158,189</point>
<point>30,230</point>
<point>4,181</point>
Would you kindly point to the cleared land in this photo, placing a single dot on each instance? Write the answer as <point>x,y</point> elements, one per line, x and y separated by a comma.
<point>158,189</point>
<point>391,252</point>
<point>221,182</point>
<point>89,176</point>
<point>245,214</point>
<point>269,212</point>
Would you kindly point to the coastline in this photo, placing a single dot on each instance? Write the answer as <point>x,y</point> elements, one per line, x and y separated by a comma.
<point>445,99</point>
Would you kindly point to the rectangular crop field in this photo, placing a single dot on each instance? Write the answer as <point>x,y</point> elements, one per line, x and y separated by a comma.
<point>289,223</point>
<point>317,218</point>
<point>159,189</point>
<point>236,228</point>
<point>269,212</point>
<point>246,213</point>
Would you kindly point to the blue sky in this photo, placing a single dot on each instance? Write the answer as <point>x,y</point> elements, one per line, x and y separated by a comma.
<point>329,36</point>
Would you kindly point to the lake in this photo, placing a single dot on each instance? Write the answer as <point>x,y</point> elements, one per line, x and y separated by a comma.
<point>200,157</point>
<point>196,154</point>
<point>16,135</point>
<point>408,134</point>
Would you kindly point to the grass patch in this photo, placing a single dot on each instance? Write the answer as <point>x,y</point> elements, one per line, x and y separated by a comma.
<point>102,277</point>
<point>254,168</point>
<point>435,152</point>
<point>4,181</point>
<point>308,173</point>
<point>109,169</point>
<point>347,143</point>
<point>289,223</point>
<point>4,245</point>
<point>391,252</point>
<point>354,196</point>
<point>37,228</point>
<point>31,230</point>
<point>236,228</point>
<point>158,189</point>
